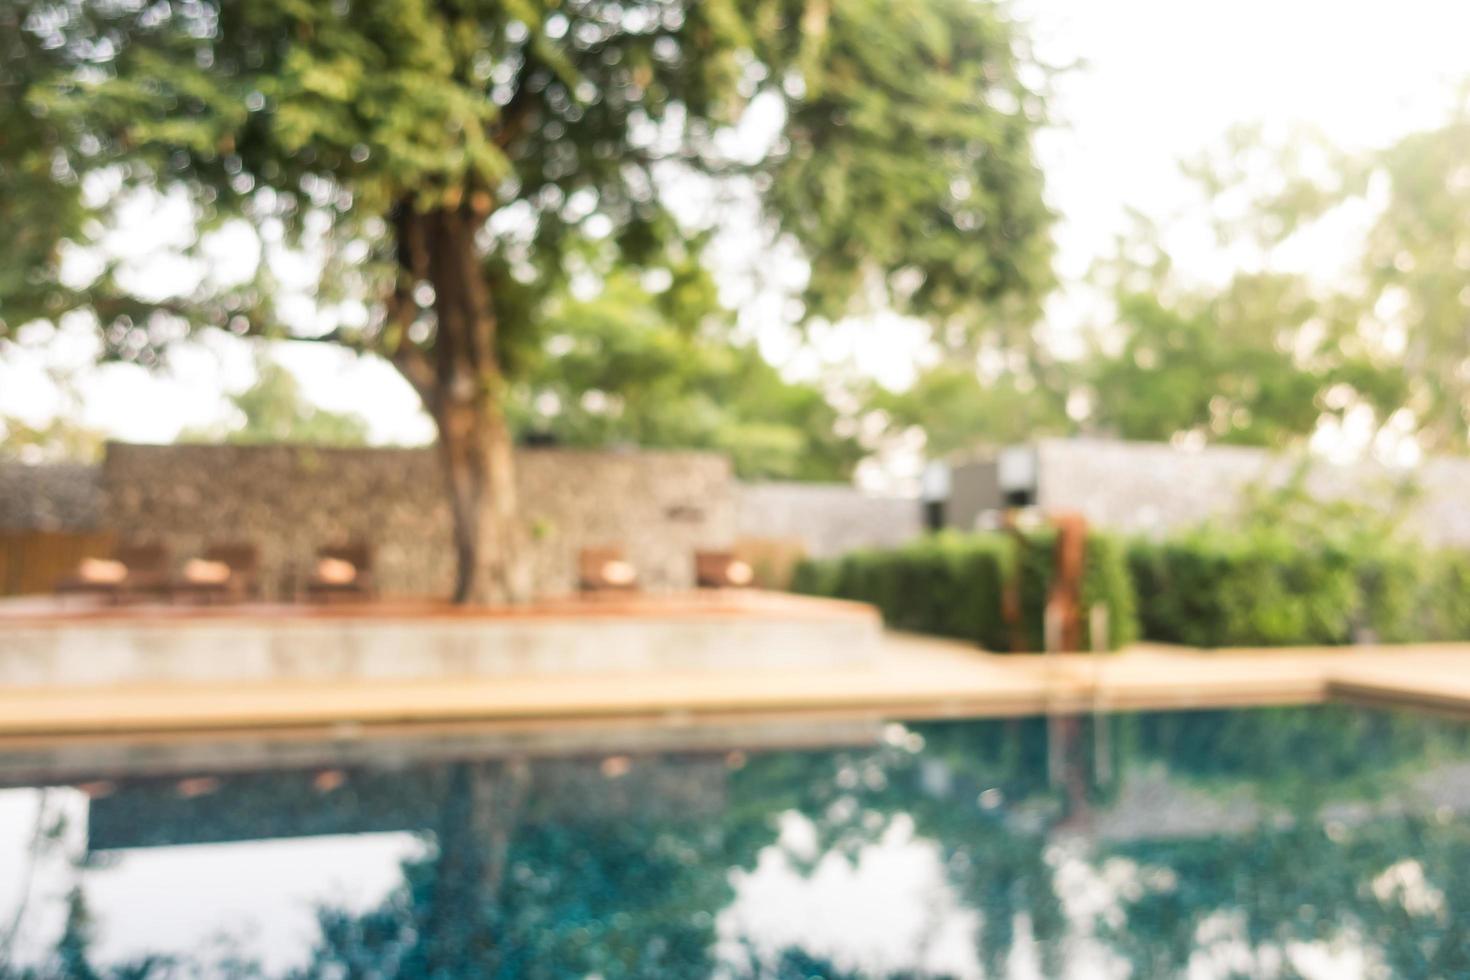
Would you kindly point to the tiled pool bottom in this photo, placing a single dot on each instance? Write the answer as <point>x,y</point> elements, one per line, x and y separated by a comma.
<point>1317,842</point>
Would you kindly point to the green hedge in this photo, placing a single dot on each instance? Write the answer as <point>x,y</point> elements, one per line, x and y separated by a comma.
<point>952,584</point>
<point>1213,588</point>
<point>1445,602</point>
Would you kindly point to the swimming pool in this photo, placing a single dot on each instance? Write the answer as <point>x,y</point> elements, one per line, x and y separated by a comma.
<point>1328,841</point>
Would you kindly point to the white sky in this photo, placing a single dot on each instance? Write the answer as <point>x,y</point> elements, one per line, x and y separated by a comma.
<point>1162,80</point>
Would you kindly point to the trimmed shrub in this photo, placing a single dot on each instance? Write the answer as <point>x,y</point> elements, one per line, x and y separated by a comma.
<point>1207,588</point>
<point>953,584</point>
<point>1106,580</point>
<point>1213,588</point>
<point>815,577</point>
<point>1446,600</point>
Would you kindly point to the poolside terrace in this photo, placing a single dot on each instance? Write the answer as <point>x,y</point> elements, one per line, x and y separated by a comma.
<point>759,655</point>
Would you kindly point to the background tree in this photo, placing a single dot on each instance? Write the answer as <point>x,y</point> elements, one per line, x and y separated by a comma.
<point>959,410</point>
<point>1416,270</point>
<point>1258,362</point>
<point>1279,347</point>
<point>1392,325</point>
<point>439,156</point>
<point>59,440</point>
<point>656,366</point>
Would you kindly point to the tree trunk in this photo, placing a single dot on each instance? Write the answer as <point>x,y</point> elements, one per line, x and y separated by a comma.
<point>463,389</point>
<point>479,469</point>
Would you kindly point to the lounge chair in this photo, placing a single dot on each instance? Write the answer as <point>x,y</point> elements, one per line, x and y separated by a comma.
<point>134,571</point>
<point>342,572</point>
<point>605,570</point>
<point>721,570</point>
<point>226,573</point>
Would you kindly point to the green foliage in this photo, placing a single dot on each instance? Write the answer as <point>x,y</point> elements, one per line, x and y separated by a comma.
<point>1188,370</point>
<point>654,368</point>
<point>1391,332</point>
<point>947,584</point>
<point>1105,581</point>
<point>1292,570</point>
<point>950,586</point>
<point>60,439</point>
<point>1257,362</point>
<point>953,584</point>
<point>1418,256</point>
<point>274,409</point>
<point>908,151</point>
<point>1445,601</point>
<point>902,157</point>
<point>42,211</point>
<point>1215,588</point>
<point>959,411</point>
<point>1297,571</point>
<point>815,576</point>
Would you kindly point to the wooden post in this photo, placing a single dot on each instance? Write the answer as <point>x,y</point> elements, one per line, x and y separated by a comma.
<point>1066,586</point>
<point>1062,633</point>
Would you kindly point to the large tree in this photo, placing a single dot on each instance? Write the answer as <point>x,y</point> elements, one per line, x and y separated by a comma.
<point>961,410</point>
<point>1260,361</point>
<point>1390,330</point>
<point>446,157</point>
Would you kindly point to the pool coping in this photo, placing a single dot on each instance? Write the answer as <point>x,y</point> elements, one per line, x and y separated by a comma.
<point>914,678</point>
<point>45,644</point>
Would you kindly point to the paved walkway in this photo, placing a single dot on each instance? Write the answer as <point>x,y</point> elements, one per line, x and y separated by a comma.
<point>914,677</point>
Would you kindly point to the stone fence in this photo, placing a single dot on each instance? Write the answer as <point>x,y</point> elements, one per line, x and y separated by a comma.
<point>827,519</point>
<point>1156,488</point>
<point>290,500</point>
<point>49,497</point>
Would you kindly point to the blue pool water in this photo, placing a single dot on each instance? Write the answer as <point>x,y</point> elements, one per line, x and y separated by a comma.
<point>1324,842</point>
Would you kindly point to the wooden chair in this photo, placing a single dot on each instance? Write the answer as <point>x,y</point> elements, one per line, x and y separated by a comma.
<point>605,570</point>
<point>134,571</point>
<point>342,572</point>
<point>227,572</point>
<point>721,570</point>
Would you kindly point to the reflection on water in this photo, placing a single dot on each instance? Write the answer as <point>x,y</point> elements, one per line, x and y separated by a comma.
<point>1326,842</point>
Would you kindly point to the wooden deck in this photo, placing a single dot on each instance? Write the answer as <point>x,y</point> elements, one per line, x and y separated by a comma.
<point>913,678</point>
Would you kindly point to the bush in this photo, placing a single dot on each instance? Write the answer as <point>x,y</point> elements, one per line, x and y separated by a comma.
<point>1290,570</point>
<point>1212,588</point>
<point>1446,600</point>
<point>814,577</point>
<point>1106,580</point>
<point>953,584</point>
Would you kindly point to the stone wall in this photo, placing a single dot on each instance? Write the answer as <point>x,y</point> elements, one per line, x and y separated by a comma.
<point>1153,488</point>
<point>49,497</point>
<point>1146,487</point>
<point>289,500</point>
<point>828,519</point>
